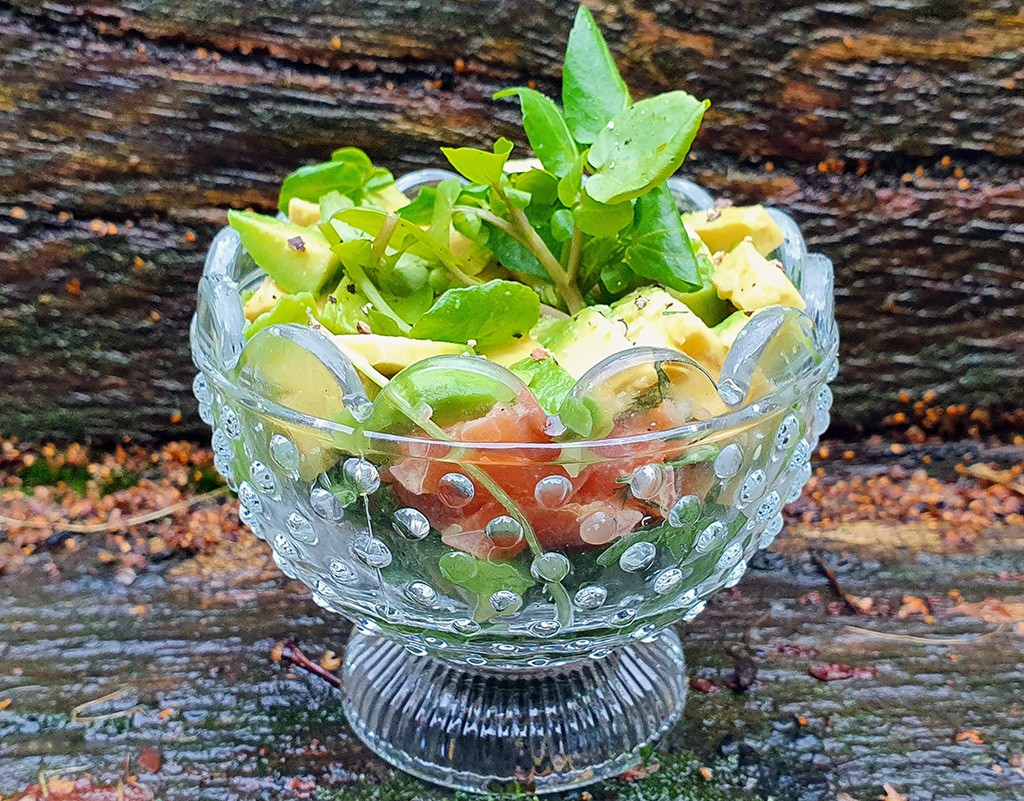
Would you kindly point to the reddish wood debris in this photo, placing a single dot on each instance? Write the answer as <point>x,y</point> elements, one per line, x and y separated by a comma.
<point>832,671</point>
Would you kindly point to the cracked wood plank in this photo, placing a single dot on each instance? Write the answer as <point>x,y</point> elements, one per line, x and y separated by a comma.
<point>154,118</point>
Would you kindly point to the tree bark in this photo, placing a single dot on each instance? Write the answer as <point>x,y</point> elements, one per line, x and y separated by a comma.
<point>126,129</point>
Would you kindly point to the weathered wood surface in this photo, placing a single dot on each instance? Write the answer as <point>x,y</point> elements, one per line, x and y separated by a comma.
<point>196,640</point>
<point>154,117</point>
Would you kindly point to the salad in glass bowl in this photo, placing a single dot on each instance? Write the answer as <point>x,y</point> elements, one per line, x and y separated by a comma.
<point>515,419</point>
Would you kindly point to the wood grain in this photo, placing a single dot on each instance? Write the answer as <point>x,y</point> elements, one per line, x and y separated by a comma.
<point>153,118</point>
<point>192,646</point>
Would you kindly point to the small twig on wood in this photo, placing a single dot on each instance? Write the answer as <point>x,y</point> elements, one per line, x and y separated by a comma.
<point>853,603</point>
<point>885,635</point>
<point>988,473</point>
<point>289,651</point>
<point>78,717</point>
<point>116,525</point>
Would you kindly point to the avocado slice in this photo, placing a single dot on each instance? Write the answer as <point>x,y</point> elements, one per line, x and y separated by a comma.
<point>733,224</point>
<point>703,302</point>
<point>303,212</point>
<point>655,318</point>
<point>390,355</point>
<point>299,259</point>
<point>584,340</point>
<point>751,282</point>
<point>447,389</point>
<point>290,375</point>
<point>729,328</point>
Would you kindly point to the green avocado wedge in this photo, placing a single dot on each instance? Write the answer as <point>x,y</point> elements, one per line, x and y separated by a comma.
<point>299,259</point>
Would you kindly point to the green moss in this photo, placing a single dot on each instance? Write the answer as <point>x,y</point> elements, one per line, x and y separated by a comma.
<point>206,479</point>
<point>76,477</point>
<point>42,474</point>
<point>676,778</point>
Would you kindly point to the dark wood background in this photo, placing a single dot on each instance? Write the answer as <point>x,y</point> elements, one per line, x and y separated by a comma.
<point>893,132</point>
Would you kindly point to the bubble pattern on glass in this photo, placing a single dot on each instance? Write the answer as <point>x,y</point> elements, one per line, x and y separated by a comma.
<point>365,566</point>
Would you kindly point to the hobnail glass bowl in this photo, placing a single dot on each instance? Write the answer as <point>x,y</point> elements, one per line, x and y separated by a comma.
<point>550,660</point>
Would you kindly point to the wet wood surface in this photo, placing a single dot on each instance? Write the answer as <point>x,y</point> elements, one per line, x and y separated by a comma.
<point>128,128</point>
<point>936,712</point>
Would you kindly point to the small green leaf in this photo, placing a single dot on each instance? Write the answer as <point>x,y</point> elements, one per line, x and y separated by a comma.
<point>643,145</point>
<point>542,186</point>
<point>569,185</point>
<point>659,248</point>
<point>314,181</point>
<point>545,128</point>
<point>492,314</point>
<point>332,204</point>
<point>592,90</point>
<point>618,279</point>
<point>482,579</point>
<point>354,157</point>
<point>405,236</point>
<point>514,256</point>
<point>421,209</point>
<point>547,380</point>
<point>441,220</point>
<point>562,225</point>
<point>479,166</point>
<point>696,455</point>
<point>579,415</point>
<point>601,219</point>
<point>517,197</point>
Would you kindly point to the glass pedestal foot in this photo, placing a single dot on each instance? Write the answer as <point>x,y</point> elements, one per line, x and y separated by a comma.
<point>545,730</point>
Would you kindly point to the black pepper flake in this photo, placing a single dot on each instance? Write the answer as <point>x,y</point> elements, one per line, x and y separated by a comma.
<point>297,244</point>
<point>331,299</point>
<point>351,289</point>
<point>517,335</point>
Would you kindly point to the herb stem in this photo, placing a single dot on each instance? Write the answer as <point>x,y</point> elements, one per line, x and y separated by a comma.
<point>387,230</point>
<point>367,287</point>
<point>563,606</point>
<point>490,218</point>
<point>551,311</point>
<point>529,237</point>
<point>575,249</point>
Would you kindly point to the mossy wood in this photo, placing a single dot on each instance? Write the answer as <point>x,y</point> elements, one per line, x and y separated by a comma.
<point>145,121</point>
<point>935,712</point>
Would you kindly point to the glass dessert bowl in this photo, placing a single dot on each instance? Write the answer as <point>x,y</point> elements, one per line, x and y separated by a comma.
<point>514,586</point>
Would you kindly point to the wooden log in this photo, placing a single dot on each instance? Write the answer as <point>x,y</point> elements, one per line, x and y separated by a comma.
<point>192,647</point>
<point>154,118</point>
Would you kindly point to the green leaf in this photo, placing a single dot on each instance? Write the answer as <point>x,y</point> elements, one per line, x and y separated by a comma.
<point>618,279</point>
<point>592,90</point>
<point>569,185</point>
<point>659,247</point>
<point>421,209</point>
<point>643,145</point>
<point>602,219</point>
<point>517,197</point>
<point>479,166</point>
<point>405,236</point>
<point>354,157</point>
<point>441,220</point>
<point>514,256</point>
<point>545,128</point>
<point>492,314</point>
<point>548,381</point>
<point>332,204</point>
<point>482,579</point>
<point>316,180</point>
<point>562,225</point>
<point>579,415</point>
<point>542,186</point>
<point>696,455</point>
